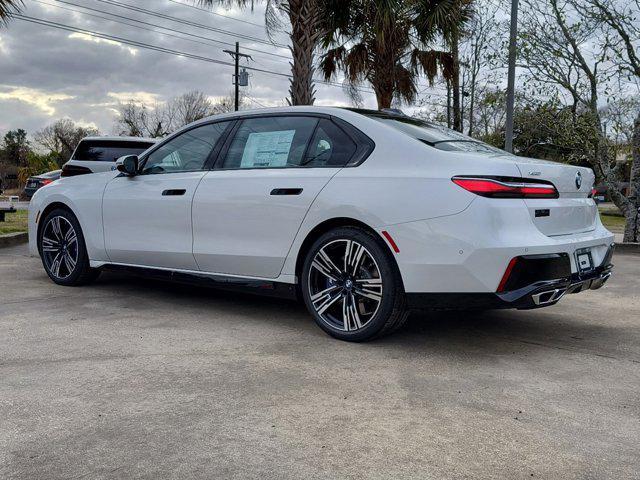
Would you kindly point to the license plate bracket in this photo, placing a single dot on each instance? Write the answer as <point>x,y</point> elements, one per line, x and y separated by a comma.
<point>584,260</point>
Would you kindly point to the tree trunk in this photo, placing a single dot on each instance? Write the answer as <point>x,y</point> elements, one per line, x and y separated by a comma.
<point>304,17</point>
<point>472,100</point>
<point>632,215</point>
<point>384,96</point>
<point>455,84</point>
<point>448,104</point>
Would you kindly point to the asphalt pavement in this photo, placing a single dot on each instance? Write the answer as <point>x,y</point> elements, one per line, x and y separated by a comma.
<point>133,378</point>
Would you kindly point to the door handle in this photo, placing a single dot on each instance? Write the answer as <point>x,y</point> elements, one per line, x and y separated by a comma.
<point>175,192</point>
<point>286,191</point>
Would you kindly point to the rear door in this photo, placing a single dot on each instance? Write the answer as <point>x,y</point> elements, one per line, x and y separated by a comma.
<point>147,218</point>
<point>247,211</point>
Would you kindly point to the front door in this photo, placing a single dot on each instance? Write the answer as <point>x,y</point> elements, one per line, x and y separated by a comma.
<point>147,217</point>
<point>247,211</point>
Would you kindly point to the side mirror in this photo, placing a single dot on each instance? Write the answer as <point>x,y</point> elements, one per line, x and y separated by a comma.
<point>128,165</point>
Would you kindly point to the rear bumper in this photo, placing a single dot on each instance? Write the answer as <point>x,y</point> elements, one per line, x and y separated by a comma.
<point>469,252</point>
<point>28,192</point>
<point>537,294</point>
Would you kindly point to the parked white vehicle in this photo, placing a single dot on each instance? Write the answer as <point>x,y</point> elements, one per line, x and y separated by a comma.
<point>99,154</point>
<point>363,214</point>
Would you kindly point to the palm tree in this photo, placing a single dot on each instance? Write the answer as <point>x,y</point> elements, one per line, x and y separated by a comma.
<point>385,43</point>
<point>306,19</point>
<point>7,8</point>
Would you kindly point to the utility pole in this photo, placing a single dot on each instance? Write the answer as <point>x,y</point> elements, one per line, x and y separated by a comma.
<point>511,78</point>
<point>236,77</point>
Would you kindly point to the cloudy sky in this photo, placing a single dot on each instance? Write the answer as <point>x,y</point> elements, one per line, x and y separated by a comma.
<point>48,73</point>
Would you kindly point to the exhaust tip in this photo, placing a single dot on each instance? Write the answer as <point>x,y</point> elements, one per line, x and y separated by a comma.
<point>599,282</point>
<point>547,297</point>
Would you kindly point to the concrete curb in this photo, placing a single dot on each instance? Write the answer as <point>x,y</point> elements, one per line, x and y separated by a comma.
<point>12,239</point>
<point>628,248</point>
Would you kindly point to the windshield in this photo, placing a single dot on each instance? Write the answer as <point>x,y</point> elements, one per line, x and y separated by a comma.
<point>108,151</point>
<point>436,136</point>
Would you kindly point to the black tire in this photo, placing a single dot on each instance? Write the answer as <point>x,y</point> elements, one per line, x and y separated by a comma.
<point>372,296</point>
<point>54,257</point>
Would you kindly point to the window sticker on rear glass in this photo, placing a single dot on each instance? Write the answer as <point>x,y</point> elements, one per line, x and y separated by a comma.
<point>268,149</point>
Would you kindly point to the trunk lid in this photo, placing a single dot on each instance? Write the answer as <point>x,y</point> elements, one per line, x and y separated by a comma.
<point>573,211</point>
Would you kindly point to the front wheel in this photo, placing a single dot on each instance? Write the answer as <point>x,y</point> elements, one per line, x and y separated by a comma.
<point>352,287</point>
<point>63,251</point>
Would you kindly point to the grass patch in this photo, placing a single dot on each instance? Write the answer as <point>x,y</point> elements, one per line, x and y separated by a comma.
<point>615,223</point>
<point>14,222</point>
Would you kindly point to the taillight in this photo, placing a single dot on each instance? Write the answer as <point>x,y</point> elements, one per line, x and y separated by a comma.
<point>502,187</point>
<point>46,181</point>
<point>594,192</point>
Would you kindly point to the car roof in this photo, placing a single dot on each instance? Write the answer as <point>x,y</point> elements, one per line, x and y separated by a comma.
<point>337,111</point>
<point>122,139</point>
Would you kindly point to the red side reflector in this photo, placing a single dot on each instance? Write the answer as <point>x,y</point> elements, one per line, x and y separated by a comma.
<point>511,188</point>
<point>507,274</point>
<point>391,242</point>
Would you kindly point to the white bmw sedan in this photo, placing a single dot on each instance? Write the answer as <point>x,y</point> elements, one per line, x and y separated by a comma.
<point>364,215</point>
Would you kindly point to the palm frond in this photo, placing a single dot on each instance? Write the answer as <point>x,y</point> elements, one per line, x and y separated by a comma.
<point>8,8</point>
<point>332,61</point>
<point>227,3</point>
<point>405,86</point>
<point>356,62</point>
<point>429,61</point>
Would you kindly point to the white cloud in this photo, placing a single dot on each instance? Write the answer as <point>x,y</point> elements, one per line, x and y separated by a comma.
<point>38,98</point>
<point>39,63</point>
<point>142,98</point>
<point>90,38</point>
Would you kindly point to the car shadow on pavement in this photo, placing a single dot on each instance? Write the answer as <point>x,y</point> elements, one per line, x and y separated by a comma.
<point>551,327</point>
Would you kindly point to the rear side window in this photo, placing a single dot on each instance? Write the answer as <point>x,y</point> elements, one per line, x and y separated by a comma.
<point>107,151</point>
<point>330,147</point>
<point>270,142</point>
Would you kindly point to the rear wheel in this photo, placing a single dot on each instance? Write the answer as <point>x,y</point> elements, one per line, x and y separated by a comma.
<point>352,287</point>
<point>63,251</point>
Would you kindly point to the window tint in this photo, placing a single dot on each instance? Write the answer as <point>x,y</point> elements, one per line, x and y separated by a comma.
<point>108,150</point>
<point>270,142</point>
<point>186,152</point>
<point>330,146</point>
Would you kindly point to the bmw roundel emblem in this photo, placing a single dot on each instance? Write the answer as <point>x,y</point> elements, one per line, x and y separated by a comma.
<point>578,180</point>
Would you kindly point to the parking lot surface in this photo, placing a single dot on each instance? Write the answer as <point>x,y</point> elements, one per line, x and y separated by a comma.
<point>133,378</point>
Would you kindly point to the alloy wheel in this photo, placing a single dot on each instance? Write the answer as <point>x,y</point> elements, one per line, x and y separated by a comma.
<point>60,247</point>
<point>345,285</point>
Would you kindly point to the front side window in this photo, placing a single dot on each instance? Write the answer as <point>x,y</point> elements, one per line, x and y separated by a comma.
<point>108,150</point>
<point>187,152</point>
<point>270,142</point>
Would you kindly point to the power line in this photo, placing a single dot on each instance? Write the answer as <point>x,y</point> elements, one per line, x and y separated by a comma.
<point>254,100</point>
<point>135,25</point>
<point>190,23</point>
<point>217,14</point>
<point>157,48</point>
<point>319,81</point>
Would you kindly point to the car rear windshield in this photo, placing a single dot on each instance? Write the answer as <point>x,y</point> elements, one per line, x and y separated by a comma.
<point>53,174</point>
<point>436,136</point>
<point>108,151</point>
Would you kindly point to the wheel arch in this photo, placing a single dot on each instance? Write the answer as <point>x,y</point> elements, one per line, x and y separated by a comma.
<point>49,208</point>
<point>330,224</point>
